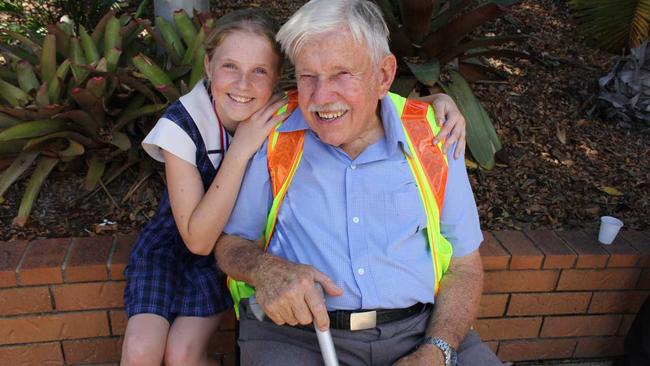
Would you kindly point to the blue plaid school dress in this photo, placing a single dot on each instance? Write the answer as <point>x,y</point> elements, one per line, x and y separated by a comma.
<point>163,276</point>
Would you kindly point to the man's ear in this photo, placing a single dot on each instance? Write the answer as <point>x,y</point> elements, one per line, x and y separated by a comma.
<point>387,70</point>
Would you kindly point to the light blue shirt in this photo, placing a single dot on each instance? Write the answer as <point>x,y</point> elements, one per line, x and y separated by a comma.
<point>360,221</point>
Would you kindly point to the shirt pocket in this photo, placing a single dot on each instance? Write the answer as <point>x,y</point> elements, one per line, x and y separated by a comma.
<point>405,215</point>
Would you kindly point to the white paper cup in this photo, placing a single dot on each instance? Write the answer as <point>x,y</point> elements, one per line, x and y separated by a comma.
<point>609,227</point>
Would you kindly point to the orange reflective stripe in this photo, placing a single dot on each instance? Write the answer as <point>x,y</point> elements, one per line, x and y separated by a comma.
<point>431,156</point>
<point>283,148</point>
<point>280,158</point>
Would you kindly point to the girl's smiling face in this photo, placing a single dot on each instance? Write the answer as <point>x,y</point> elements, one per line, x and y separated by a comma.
<point>243,74</point>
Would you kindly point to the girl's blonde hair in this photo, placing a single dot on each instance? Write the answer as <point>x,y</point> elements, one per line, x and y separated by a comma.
<point>248,20</point>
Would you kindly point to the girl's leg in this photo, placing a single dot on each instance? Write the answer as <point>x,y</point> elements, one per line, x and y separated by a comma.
<point>144,340</point>
<point>188,340</point>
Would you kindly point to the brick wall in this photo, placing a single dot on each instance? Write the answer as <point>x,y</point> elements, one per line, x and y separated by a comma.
<point>547,295</point>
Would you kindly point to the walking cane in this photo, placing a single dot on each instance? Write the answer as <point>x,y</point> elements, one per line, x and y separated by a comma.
<point>325,341</point>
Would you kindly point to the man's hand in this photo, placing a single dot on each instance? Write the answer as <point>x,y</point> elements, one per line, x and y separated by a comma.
<point>287,293</point>
<point>425,355</point>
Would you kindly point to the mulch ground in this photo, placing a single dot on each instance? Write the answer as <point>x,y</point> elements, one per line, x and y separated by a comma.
<point>560,168</point>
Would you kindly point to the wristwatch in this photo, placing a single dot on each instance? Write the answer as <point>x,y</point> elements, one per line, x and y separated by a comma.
<point>447,350</point>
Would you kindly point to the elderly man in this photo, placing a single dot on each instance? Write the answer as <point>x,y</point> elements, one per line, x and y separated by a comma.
<point>354,192</point>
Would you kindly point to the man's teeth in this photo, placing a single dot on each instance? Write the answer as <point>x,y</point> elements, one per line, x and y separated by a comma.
<point>330,115</point>
<point>240,99</point>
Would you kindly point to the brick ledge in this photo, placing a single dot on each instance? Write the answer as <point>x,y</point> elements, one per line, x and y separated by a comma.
<point>548,295</point>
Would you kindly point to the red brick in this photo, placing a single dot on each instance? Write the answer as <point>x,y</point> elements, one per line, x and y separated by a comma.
<point>222,341</point>
<point>493,345</point>
<point>85,296</point>
<point>621,254</point>
<point>599,347</point>
<point>523,253</point>
<point>492,306</point>
<point>88,259</point>
<point>507,328</point>
<point>43,261</point>
<point>548,303</point>
<point>644,279</point>
<point>10,255</point>
<point>556,253</point>
<point>492,253</point>
<point>617,301</point>
<point>641,242</point>
<point>118,321</point>
<point>580,325</point>
<point>626,324</point>
<point>32,354</point>
<point>92,350</point>
<point>605,279</point>
<point>53,327</point>
<point>536,349</point>
<point>25,300</point>
<point>229,321</point>
<point>519,281</point>
<point>120,256</point>
<point>590,253</point>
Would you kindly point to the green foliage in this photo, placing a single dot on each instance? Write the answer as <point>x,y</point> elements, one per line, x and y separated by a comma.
<point>85,95</point>
<point>33,16</point>
<point>430,37</point>
<point>480,132</point>
<point>613,25</point>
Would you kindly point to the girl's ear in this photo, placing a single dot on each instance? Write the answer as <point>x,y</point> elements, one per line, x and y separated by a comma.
<point>206,67</point>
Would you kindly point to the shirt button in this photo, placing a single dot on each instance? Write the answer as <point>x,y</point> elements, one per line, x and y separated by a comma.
<point>361,271</point>
<point>355,220</point>
<point>353,166</point>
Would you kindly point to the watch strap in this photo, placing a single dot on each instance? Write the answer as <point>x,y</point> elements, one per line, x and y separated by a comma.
<point>447,350</point>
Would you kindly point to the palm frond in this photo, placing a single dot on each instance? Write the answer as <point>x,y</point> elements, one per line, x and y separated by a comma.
<point>613,24</point>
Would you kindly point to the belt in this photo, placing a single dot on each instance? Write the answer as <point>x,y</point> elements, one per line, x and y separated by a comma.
<point>359,320</point>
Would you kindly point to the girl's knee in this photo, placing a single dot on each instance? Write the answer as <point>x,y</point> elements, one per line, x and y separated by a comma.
<point>181,353</point>
<point>141,352</point>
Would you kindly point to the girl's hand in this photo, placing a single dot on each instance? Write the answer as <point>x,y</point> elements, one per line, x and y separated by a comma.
<point>250,134</point>
<point>452,122</point>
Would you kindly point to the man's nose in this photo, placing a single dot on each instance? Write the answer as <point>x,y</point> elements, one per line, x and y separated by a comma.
<point>324,91</point>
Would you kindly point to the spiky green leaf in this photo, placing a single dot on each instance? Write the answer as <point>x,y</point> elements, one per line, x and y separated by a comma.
<point>42,170</point>
<point>14,95</point>
<point>96,167</point>
<point>31,129</point>
<point>482,139</point>
<point>427,73</point>
<point>16,169</point>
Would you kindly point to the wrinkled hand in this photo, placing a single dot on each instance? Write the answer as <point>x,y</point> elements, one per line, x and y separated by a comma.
<point>250,134</point>
<point>452,122</point>
<point>286,292</point>
<point>425,355</point>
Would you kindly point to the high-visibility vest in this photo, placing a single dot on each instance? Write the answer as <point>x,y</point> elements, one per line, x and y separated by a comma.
<point>427,162</point>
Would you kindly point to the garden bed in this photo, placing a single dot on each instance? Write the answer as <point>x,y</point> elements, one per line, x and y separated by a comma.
<point>559,169</point>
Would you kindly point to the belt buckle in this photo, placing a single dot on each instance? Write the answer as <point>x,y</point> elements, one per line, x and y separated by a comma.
<point>363,320</point>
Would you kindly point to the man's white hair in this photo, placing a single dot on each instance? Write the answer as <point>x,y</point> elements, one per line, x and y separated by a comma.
<point>362,18</point>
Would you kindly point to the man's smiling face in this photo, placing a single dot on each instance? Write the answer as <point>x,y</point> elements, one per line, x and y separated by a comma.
<point>339,87</point>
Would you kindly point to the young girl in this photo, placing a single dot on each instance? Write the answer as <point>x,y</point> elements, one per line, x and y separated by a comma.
<point>175,294</point>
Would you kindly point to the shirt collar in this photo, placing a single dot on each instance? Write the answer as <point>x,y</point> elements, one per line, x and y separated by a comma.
<point>393,131</point>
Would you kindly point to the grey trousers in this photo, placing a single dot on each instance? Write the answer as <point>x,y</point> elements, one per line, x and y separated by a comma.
<point>264,343</point>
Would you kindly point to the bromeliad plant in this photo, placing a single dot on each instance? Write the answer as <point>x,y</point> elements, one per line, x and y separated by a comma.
<point>433,35</point>
<point>77,95</point>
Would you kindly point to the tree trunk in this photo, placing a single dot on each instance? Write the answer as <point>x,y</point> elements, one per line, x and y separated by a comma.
<point>165,8</point>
